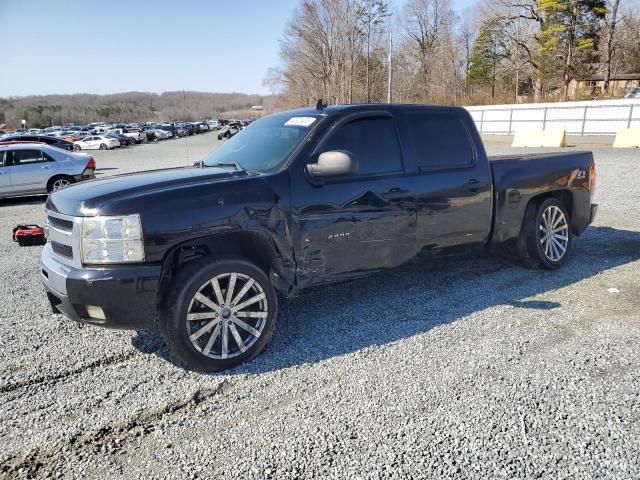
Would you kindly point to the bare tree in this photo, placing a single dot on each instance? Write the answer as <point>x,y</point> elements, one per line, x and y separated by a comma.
<point>370,15</point>
<point>427,24</point>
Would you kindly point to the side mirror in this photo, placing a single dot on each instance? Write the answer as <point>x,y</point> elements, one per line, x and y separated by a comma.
<point>332,164</point>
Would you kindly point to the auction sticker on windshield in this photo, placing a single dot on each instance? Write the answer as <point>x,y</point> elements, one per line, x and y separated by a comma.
<point>299,121</point>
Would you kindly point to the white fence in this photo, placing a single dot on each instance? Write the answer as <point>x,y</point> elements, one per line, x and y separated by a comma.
<point>598,117</point>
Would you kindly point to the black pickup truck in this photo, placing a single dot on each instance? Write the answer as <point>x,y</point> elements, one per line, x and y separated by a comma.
<point>298,199</point>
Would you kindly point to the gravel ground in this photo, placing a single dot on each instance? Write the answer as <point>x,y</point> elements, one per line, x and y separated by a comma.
<point>465,368</point>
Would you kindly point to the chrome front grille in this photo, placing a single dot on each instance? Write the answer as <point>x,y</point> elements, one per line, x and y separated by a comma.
<point>62,250</point>
<point>60,223</point>
<point>64,238</point>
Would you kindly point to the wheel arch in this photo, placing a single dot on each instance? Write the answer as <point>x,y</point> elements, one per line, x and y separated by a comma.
<point>564,196</point>
<point>253,246</point>
<point>55,176</point>
<point>509,217</point>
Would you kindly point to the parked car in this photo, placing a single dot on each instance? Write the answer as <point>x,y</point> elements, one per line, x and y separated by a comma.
<point>228,131</point>
<point>635,93</point>
<point>135,133</point>
<point>202,127</point>
<point>73,137</point>
<point>162,134</point>
<point>53,141</point>
<point>175,131</point>
<point>191,130</point>
<point>180,131</point>
<point>35,168</point>
<point>150,136</point>
<point>95,142</point>
<point>155,134</point>
<point>123,139</point>
<point>302,198</point>
<point>17,142</point>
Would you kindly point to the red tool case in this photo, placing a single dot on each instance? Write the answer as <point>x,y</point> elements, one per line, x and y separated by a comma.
<point>29,235</point>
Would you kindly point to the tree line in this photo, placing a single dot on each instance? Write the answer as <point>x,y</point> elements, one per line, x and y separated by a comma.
<point>47,110</point>
<point>495,51</point>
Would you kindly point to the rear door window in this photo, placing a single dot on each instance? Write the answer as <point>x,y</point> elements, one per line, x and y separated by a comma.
<point>439,140</point>
<point>26,157</point>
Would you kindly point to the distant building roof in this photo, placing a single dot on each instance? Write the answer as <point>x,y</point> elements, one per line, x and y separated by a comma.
<point>619,76</point>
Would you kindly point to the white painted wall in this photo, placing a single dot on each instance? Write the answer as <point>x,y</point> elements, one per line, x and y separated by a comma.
<point>597,117</point>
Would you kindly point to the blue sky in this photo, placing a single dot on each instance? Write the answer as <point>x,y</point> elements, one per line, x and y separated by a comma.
<point>118,45</point>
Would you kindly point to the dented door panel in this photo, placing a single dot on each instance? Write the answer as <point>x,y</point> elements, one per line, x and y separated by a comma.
<point>361,232</point>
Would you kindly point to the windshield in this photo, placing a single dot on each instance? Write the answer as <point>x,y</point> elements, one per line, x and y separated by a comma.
<point>265,144</point>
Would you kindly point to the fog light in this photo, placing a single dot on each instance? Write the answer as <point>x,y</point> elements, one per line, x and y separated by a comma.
<point>95,312</point>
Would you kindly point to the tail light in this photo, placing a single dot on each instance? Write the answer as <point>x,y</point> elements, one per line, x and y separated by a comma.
<point>592,179</point>
<point>91,164</point>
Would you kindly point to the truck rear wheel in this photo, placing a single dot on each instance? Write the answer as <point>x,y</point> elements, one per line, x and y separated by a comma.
<point>545,239</point>
<point>218,314</point>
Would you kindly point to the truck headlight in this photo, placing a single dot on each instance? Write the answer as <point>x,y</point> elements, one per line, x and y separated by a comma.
<point>112,239</point>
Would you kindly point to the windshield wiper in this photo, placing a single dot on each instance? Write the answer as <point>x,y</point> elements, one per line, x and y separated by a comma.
<point>235,165</point>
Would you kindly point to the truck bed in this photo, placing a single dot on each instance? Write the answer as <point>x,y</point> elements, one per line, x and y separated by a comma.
<point>519,178</point>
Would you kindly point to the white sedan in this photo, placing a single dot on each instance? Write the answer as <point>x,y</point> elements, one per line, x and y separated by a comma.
<point>97,142</point>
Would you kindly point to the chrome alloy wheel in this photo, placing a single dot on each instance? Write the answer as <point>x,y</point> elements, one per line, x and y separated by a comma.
<point>227,315</point>
<point>60,183</point>
<point>554,233</point>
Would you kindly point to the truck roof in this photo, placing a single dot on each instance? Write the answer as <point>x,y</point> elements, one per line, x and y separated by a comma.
<point>366,106</point>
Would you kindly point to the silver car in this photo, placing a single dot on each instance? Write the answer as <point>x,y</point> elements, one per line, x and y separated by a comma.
<point>35,168</point>
<point>635,93</point>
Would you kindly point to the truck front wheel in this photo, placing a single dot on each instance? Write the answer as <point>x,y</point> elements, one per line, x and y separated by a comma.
<point>218,314</point>
<point>545,239</point>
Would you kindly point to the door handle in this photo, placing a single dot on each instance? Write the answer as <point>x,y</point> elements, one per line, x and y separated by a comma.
<point>473,185</point>
<point>47,167</point>
<point>3,172</point>
<point>396,194</point>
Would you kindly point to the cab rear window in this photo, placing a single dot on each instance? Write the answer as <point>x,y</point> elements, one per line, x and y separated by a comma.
<point>440,140</point>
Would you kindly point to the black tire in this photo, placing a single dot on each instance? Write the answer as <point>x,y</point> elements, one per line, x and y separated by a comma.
<point>103,146</point>
<point>174,325</point>
<point>52,183</point>
<point>219,137</point>
<point>76,148</point>
<point>531,243</point>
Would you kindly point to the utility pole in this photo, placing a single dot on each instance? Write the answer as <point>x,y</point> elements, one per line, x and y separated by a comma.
<point>390,69</point>
<point>517,61</point>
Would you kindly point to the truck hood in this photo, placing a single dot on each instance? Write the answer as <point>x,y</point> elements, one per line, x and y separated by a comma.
<point>89,198</point>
